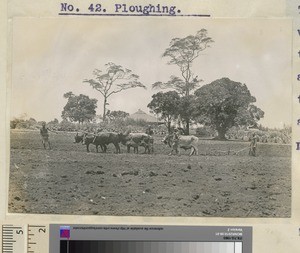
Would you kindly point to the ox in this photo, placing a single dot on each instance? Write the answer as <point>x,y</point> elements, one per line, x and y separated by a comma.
<point>185,142</point>
<point>138,139</point>
<point>102,139</point>
<point>87,139</point>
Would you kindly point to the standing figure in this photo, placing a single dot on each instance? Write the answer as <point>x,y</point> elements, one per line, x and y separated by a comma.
<point>149,130</point>
<point>45,135</point>
<point>175,140</point>
<point>150,145</point>
<point>253,145</point>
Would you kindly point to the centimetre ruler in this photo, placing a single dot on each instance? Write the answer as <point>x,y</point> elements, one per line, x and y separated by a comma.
<point>25,239</point>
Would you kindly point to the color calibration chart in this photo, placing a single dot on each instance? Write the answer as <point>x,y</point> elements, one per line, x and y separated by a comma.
<point>149,239</point>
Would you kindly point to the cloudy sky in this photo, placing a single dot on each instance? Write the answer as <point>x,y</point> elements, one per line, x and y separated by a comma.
<point>53,56</point>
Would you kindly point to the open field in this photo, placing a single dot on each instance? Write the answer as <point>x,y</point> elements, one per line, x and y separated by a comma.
<point>216,183</point>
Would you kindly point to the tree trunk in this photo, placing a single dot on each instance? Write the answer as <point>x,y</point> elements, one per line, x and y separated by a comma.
<point>169,127</point>
<point>187,128</point>
<point>104,109</point>
<point>221,134</point>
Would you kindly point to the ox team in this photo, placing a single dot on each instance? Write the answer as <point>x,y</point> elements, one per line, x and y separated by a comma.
<point>130,140</point>
<point>102,139</point>
<point>136,140</point>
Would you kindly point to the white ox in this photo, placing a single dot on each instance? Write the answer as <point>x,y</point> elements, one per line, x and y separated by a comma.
<point>185,142</point>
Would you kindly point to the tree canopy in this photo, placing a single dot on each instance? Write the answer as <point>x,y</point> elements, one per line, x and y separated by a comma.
<point>117,115</point>
<point>166,106</point>
<point>223,104</point>
<point>186,111</point>
<point>182,52</point>
<point>178,84</point>
<point>79,108</point>
<point>113,80</point>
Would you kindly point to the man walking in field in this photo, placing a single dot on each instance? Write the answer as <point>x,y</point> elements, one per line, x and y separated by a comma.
<point>45,135</point>
<point>253,145</point>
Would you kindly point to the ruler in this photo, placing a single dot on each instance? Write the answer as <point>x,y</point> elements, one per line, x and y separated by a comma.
<point>25,238</point>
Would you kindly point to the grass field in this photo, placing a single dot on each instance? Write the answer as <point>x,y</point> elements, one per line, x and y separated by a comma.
<point>216,183</point>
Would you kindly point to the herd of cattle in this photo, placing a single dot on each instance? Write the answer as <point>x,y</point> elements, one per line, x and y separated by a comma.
<point>135,140</point>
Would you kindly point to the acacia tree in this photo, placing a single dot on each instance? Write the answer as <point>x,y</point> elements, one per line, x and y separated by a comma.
<point>113,80</point>
<point>182,52</point>
<point>166,106</point>
<point>223,104</point>
<point>79,108</point>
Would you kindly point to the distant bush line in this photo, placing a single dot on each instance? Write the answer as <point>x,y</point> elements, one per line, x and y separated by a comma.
<point>264,134</point>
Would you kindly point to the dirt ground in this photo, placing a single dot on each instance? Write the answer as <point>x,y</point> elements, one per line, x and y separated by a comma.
<point>216,183</point>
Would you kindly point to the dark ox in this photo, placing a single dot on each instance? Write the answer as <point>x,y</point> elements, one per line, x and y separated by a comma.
<point>105,138</point>
<point>185,142</point>
<point>79,138</point>
<point>138,139</point>
<point>101,139</point>
<point>87,139</point>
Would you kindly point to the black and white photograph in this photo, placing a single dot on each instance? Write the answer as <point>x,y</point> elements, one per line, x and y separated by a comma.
<point>152,116</point>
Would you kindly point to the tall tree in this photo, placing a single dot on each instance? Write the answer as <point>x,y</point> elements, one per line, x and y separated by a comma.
<point>182,52</point>
<point>113,80</point>
<point>223,104</point>
<point>79,108</point>
<point>166,106</point>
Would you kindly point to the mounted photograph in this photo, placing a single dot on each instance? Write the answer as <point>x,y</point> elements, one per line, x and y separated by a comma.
<point>162,117</point>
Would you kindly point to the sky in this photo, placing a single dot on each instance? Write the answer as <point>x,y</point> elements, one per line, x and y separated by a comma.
<point>52,56</point>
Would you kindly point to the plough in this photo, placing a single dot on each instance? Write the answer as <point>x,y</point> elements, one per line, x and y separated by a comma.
<point>228,152</point>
